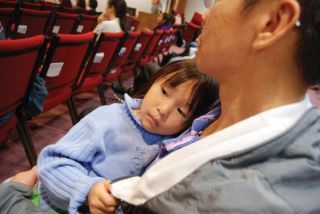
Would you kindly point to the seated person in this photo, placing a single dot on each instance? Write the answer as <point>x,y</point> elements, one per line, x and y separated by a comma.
<point>122,139</point>
<point>114,18</point>
<point>165,21</point>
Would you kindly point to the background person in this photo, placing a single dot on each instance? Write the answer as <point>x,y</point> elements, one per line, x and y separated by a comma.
<point>114,18</point>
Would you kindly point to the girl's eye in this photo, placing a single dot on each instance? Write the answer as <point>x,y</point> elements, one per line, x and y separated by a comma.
<point>164,92</point>
<point>182,113</point>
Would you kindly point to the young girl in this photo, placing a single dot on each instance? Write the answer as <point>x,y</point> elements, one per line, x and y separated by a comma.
<point>165,21</point>
<point>122,139</point>
<point>114,18</point>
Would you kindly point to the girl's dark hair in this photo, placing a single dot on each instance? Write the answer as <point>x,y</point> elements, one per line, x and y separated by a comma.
<point>205,91</point>
<point>81,4</point>
<point>308,51</point>
<point>168,19</point>
<point>120,7</point>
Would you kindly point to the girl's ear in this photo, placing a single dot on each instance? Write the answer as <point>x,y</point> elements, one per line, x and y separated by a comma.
<point>276,21</point>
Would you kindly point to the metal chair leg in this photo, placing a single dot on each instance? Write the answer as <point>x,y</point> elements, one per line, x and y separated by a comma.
<point>72,110</point>
<point>101,94</point>
<point>26,140</point>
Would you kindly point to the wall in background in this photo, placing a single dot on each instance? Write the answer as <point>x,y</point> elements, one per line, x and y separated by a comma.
<point>194,6</point>
<point>145,5</point>
<point>140,5</point>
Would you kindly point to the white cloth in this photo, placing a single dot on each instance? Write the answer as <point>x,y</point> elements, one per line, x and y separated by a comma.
<point>242,136</point>
<point>111,26</point>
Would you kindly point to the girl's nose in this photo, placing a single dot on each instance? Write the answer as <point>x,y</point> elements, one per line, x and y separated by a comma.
<point>164,111</point>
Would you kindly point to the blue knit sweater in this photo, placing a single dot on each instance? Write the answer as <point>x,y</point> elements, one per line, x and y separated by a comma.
<point>107,144</point>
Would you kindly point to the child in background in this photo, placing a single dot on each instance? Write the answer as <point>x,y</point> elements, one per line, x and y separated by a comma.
<point>165,21</point>
<point>122,139</point>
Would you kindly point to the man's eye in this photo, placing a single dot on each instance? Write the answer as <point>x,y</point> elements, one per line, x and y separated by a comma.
<point>164,92</point>
<point>182,113</point>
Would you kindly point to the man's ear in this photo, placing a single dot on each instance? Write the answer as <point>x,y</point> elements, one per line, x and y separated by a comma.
<point>276,23</point>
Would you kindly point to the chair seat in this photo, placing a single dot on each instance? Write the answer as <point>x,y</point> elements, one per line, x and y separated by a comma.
<point>56,97</point>
<point>5,128</point>
<point>89,83</point>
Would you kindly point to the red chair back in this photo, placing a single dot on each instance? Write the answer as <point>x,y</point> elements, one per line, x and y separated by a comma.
<point>6,18</point>
<point>4,3</point>
<point>121,55</point>
<point>19,62</point>
<point>197,18</point>
<point>191,32</point>
<point>140,46</point>
<point>50,7</point>
<point>153,42</point>
<point>31,23</point>
<point>161,43</point>
<point>65,60</point>
<point>30,5</point>
<point>86,23</point>
<point>69,10</point>
<point>99,60</point>
<point>64,23</point>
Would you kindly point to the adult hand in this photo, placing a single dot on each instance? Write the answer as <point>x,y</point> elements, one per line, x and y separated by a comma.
<point>101,18</point>
<point>100,199</point>
<point>28,178</point>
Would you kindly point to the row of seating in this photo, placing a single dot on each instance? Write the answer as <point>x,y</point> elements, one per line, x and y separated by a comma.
<point>22,23</point>
<point>45,6</point>
<point>70,64</point>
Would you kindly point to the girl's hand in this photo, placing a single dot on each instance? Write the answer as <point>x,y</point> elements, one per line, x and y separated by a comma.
<point>101,18</point>
<point>100,199</point>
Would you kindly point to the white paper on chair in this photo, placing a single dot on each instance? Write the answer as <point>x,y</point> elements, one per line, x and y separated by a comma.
<point>54,69</point>
<point>114,70</point>
<point>98,57</point>
<point>56,29</point>
<point>122,51</point>
<point>22,29</point>
<point>80,28</point>
<point>137,47</point>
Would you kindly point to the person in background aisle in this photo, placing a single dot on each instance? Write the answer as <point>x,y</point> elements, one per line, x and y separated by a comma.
<point>123,138</point>
<point>156,6</point>
<point>165,21</point>
<point>114,18</point>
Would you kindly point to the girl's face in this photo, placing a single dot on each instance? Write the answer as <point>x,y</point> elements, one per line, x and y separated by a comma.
<point>109,11</point>
<point>224,43</point>
<point>164,109</point>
